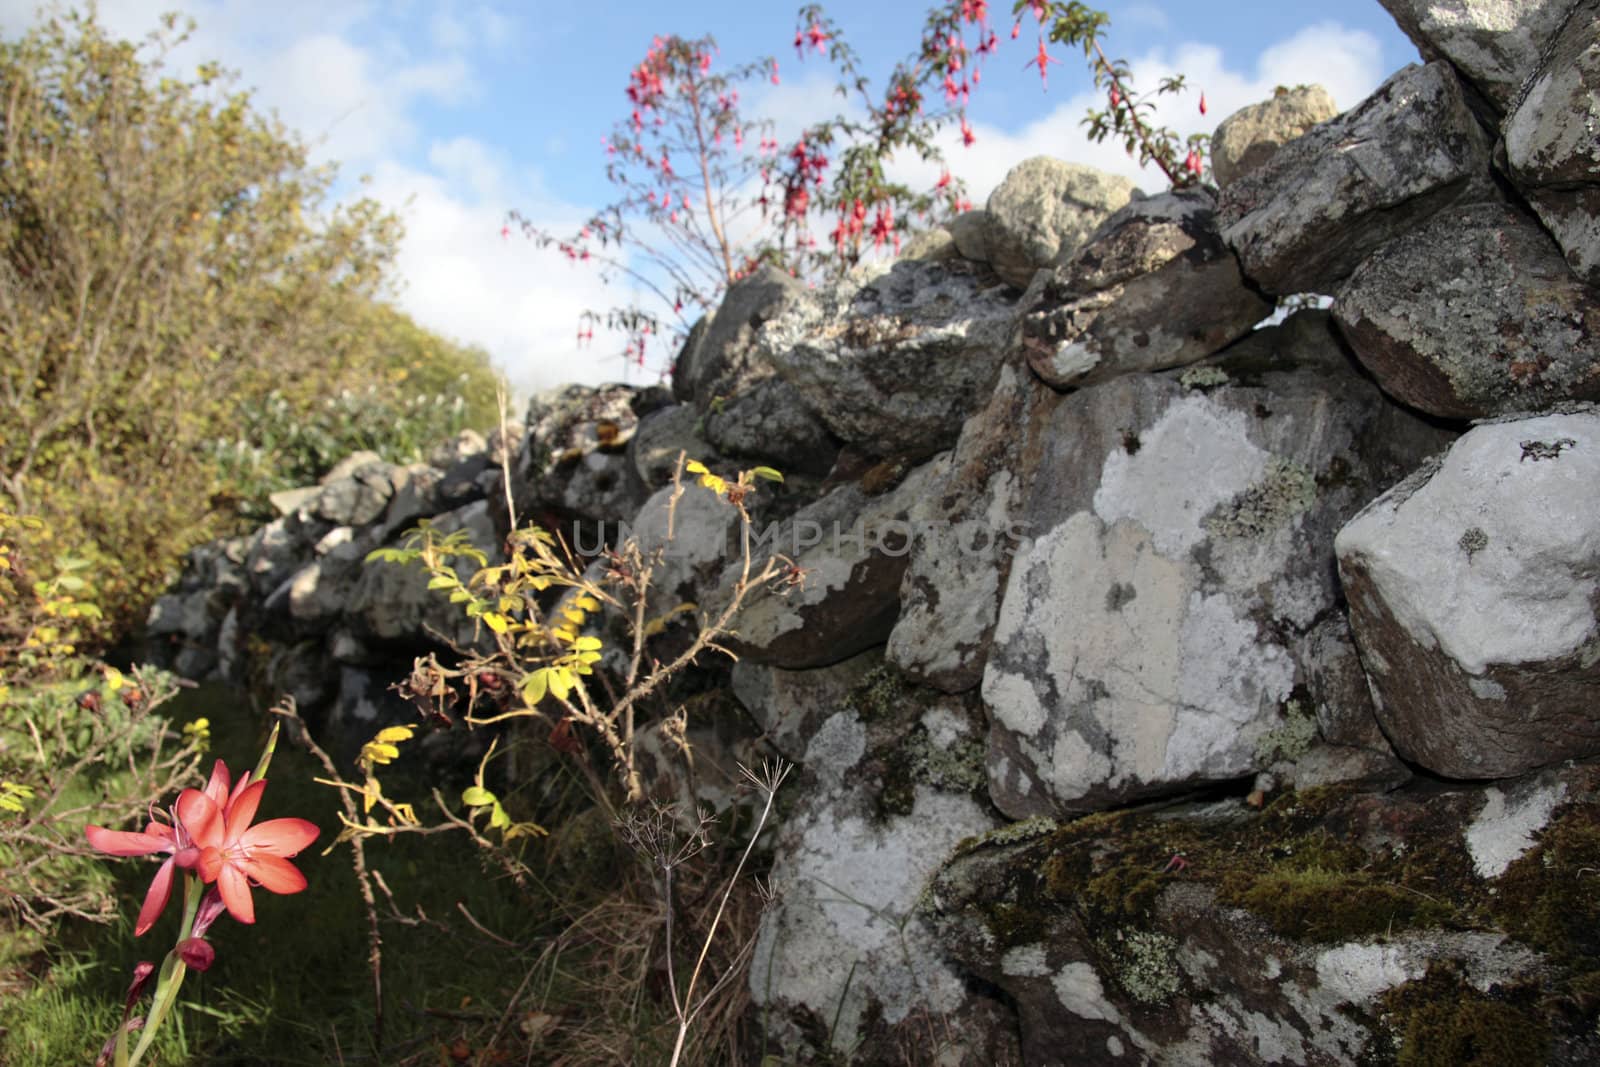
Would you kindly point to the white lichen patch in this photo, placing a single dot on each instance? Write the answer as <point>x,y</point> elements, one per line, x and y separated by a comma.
<point>1078,988</point>
<point>1503,831</point>
<point>841,939</point>
<point>1196,457</point>
<point>945,726</point>
<point>1355,973</point>
<point>1528,596</point>
<point>838,745</point>
<point>1025,961</point>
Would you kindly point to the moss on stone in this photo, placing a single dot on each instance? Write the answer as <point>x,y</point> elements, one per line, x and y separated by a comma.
<point>879,694</point>
<point>1285,489</point>
<point>1442,1020</point>
<point>1550,898</point>
<point>1203,378</point>
<point>916,760</point>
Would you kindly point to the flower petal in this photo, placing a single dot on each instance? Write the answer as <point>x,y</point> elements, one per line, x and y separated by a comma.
<point>201,818</point>
<point>209,864</point>
<point>242,809</point>
<point>217,786</point>
<point>274,875</point>
<point>155,900</point>
<point>280,837</point>
<point>124,843</point>
<point>235,890</point>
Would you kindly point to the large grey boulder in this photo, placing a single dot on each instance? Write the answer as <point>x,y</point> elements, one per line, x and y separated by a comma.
<point>1246,139</point>
<point>720,359</point>
<point>1474,313</point>
<point>1323,202</point>
<point>769,423</point>
<point>1150,635</point>
<point>1153,288</point>
<point>850,547</point>
<point>1551,141</point>
<point>661,437</point>
<point>1496,45</point>
<point>842,965</point>
<point>893,359</point>
<point>1044,211</point>
<point>1473,587</point>
<point>573,462</point>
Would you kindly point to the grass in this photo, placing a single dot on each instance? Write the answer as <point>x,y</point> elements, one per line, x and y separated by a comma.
<point>476,971</point>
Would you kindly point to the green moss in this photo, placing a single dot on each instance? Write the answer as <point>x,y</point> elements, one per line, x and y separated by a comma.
<point>1441,1020</point>
<point>879,694</point>
<point>1009,834</point>
<point>1550,898</point>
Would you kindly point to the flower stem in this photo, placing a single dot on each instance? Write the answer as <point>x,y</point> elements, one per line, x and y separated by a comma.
<point>172,971</point>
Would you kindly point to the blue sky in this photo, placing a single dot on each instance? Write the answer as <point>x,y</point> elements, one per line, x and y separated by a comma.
<point>458,110</point>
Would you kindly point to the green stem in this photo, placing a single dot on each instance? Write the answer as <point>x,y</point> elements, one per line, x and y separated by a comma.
<point>172,971</point>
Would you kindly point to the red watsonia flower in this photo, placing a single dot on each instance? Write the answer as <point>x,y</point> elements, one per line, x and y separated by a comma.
<point>236,855</point>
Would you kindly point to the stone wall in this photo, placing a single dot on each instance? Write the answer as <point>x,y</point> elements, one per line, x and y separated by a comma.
<point>1183,688</point>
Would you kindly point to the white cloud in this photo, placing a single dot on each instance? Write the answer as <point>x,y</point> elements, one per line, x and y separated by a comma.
<point>1347,62</point>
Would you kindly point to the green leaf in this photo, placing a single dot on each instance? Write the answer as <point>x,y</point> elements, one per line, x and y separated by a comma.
<point>768,473</point>
<point>476,796</point>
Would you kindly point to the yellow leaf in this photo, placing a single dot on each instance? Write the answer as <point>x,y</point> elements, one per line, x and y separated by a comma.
<point>534,686</point>
<point>114,679</point>
<point>391,734</point>
<point>496,621</point>
<point>561,681</point>
<point>694,466</point>
<point>585,602</point>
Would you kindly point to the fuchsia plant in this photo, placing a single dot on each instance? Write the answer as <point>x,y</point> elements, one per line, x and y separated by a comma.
<point>706,195</point>
<point>210,839</point>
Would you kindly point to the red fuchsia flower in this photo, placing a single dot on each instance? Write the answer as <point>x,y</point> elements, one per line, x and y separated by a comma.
<point>235,855</point>
<point>1191,163</point>
<point>967,136</point>
<point>1042,60</point>
<point>177,839</point>
<point>1202,103</point>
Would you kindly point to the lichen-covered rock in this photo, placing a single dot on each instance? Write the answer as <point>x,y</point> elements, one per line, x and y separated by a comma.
<point>1180,540</point>
<point>970,231</point>
<point>1473,587</point>
<point>320,591</point>
<point>1250,136</point>
<point>358,497</point>
<point>791,706</point>
<point>463,445</point>
<point>851,548</point>
<point>1552,141</point>
<point>960,556</point>
<point>769,423</point>
<point>1474,313</point>
<point>416,496</point>
<point>722,360</point>
<point>1335,927</point>
<point>279,548</point>
<point>1153,288</point>
<point>842,965</point>
<point>894,359</point>
<point>1324,201</point>
<point>1044,211</point>
<point>1495,45</point>
<point>574,465</point>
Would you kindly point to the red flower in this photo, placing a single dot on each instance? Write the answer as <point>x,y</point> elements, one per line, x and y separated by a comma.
<point>234,854</point>
<point>176,839</point>
<point>1202,103</point>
